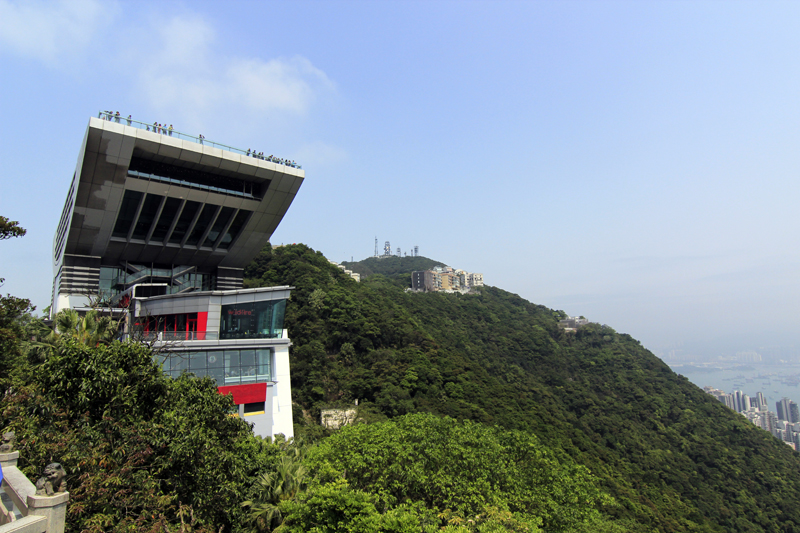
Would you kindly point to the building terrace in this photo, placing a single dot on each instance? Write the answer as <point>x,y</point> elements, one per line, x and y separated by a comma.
<point>163,129</point>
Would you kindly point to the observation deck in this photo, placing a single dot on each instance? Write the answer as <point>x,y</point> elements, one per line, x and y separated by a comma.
<point>167,130</point>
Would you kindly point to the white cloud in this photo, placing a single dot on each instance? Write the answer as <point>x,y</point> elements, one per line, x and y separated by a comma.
<point>183,70</point>
<point>52,32</point>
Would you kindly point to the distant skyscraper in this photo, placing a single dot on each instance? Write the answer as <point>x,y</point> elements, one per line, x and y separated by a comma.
<point>741,401</point>
<point>761,402</point>
<point>727,399</point>
<point>787,410</point>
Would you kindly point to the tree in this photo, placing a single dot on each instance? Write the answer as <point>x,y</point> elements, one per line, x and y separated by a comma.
<point>461,469</point>
<point>285,482</point>
<point>10,228</point>
<point>91,329</point>
<point>12,310</point>
<point>142,451</point>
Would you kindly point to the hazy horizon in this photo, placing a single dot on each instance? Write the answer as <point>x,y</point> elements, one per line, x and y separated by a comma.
<point>632,162</point>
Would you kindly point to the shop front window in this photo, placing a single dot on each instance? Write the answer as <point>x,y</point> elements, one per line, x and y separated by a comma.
<point>260,320</point>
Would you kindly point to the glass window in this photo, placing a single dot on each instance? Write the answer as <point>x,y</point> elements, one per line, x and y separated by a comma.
<point>232,367</point>
<point>177,364</point>
<point>216,360</point>
<point>196,179</point>
<point>256,408</point>
<point>228,367</point>
<point>248,359</point>
<point>225,215</point>
<point>127,212</point>
<point>203,222</point>
<point>168,214</point>
<point>236,227</point>
<point>264,365</point>
<point>252,320</point>
<point>218,375</point>
<point>198,363</point>
<point>149,210</point>
<point>184,221</point>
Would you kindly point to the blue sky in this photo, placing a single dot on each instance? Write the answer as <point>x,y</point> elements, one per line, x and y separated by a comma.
<point>633,162</point>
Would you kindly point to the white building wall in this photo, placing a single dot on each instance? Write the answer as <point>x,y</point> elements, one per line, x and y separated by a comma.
<point>281,393</point>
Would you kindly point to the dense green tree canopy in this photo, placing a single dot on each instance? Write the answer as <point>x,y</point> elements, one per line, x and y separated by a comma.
<point>464,467</point>
<point>140,449</point>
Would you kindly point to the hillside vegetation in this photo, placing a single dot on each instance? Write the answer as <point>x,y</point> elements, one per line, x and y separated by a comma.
<point>482,416</point>
<point>672,457</point>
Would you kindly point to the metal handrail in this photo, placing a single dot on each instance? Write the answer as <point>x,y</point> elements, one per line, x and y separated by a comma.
<point>119,119</point>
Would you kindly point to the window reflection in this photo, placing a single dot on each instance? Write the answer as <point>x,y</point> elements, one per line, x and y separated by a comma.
<point>226,367</point>
<point>253,320</point>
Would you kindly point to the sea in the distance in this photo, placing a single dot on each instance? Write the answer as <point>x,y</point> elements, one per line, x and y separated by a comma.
<point>773,381</point>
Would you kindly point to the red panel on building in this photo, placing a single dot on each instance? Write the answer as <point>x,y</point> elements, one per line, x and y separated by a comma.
<point>250,393</point>
<point>202,323</point>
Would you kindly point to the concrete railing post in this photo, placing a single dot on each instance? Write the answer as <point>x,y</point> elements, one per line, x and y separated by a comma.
<point>9,459</point>
<point>54,508</point>
<point>40,514</point>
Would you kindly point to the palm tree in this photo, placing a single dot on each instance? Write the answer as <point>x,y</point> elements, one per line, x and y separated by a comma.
<point>91,329</point>
<point>284,483</point>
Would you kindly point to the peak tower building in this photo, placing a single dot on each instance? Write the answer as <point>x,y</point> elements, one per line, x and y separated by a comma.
<point>157,228</point>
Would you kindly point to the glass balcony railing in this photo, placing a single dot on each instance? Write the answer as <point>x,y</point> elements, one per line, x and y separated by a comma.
<point>172,336</point>
<point>166,130</point>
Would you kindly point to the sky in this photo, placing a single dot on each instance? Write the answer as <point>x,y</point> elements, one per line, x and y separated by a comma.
<point>632,162</point>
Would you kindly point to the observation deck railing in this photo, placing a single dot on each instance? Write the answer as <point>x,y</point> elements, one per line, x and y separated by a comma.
<point>161,130</point>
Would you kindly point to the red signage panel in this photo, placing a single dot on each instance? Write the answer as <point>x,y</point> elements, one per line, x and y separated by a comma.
<point>248,393</point>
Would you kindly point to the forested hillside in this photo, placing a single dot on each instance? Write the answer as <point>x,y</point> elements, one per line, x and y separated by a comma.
<point>673,457</point>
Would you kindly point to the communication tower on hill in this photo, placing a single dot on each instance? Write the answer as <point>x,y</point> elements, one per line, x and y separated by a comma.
<point>416,251</point>
<point>387,248</point>
<point>399,253</point>
<point>376,246</point>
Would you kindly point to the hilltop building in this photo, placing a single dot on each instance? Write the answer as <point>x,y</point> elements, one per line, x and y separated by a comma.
<point>445,279</point>
<point>156,229</point>
<point>355,275</point>
<point>571,323</point>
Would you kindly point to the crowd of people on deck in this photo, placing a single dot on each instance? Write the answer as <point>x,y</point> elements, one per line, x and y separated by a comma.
<point>280,161</point>
<point>156,127</point>
<point>164,130</point>
<point>114,117</point>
